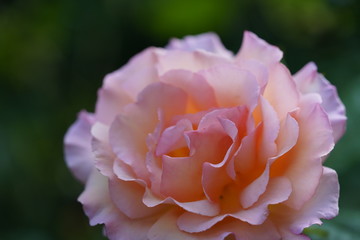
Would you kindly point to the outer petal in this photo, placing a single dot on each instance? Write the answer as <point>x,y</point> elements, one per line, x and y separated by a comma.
<point>281,90</point>
<point>78,154</point>
<point>233,86</point>
<point>191,61</point>
<point>99,208</point>
<point>309,80</point>
<point>201,94</point>
<point>209,42</point>
<point>165,228</point>
<point>323,204</point>
<point>255,48</point>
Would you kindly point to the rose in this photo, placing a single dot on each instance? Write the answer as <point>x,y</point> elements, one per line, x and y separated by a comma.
<point>191,142</point>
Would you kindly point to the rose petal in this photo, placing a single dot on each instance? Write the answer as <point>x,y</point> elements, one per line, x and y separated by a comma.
<point>128,133</point>
<point>309,80</point>
<point>104,156</point>
<point>127,197</point>
<point>278,191</point>
<point>255,48</point>
<point>78,154</point>
<point>233,86</point>
<point>173,137</point>
<point>191,83</point>
<point>191,61</point>
<point>209,42</point>
<point>281,90</point>
<point>323,204</point>
<point>165,228</point>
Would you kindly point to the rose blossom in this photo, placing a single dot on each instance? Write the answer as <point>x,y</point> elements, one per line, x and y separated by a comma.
<point>192,142</point>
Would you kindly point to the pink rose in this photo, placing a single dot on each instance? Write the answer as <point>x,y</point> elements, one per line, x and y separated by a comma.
<point>192,142</point>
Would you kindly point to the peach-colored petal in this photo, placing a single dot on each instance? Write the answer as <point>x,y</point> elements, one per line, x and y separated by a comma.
<point>278,191</point>
<point>209,42</point>
<point>270,131</point>
<point>309,80</point>
<point>303,165</point>
<point>191,83</point>
<point>127,197</point>
<point>324,204</point>
<point>246,156</point>
<point>233,86</point>
<point>252,192</point>
<point>191,61</point>
<point>288,135</point>
<point>281,90</point>
<point>201,207</point>
<point>240,230</point>
<point>100,209</point>
<point>78,152</point>
<point>165,228</point>
<point>128,133</point>
<point>214,179</point>
<point>257,49</point>
<point>173,138</point>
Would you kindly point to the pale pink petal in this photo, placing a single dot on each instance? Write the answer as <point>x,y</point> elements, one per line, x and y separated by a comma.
<point>281,90</point>
<point>278,191</point>
<point>257,49</point>
<point>201,95</point>
<point>303,165</point>
<point>120,227</point>
<point>309,80</point>
<point>133,77</point>
<point>95,199</point>
<point>78,154</point>
<point>111,102</point>
<point>173,137</point>
<point>128,133</point>
<point>165,228</point>
<point>233,86</point>
<point>214,179</point>
<point>191,61</point>
<point>240,230</point>
<point>208,144</point>
<point>304,175</point>
<point>101,210</point>
<point>127,197</point>
<point>258,69</point>
<point>288,135</point>
<point>270,131</point>
<point>209,42</point>
<point>315,137</point>
<point>324,204</point>
<point>104,156</point>
<point>201,207</point>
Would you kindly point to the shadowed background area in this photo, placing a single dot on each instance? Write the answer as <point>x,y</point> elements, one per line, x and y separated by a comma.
<point>54,55</point>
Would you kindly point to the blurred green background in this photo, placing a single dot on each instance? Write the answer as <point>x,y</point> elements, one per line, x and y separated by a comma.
<point>54,55</point>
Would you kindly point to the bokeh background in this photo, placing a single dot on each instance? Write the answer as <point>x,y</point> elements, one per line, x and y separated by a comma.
<point>54,55</point>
